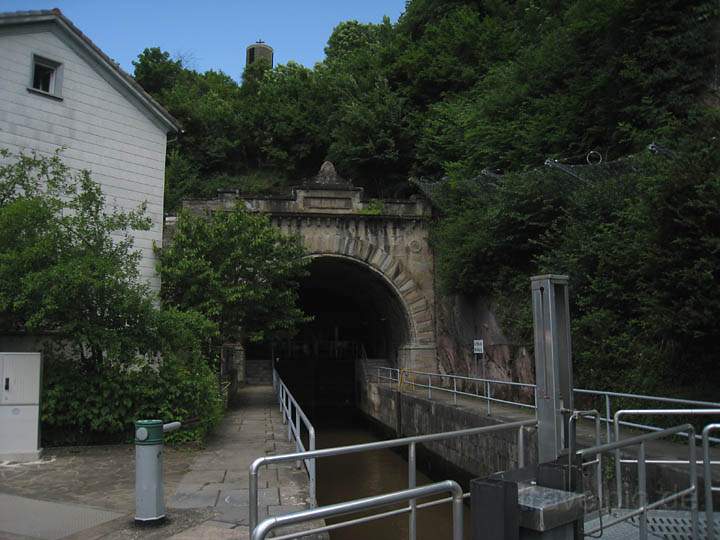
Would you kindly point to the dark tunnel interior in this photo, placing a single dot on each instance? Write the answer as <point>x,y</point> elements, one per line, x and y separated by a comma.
<point>356,315</point>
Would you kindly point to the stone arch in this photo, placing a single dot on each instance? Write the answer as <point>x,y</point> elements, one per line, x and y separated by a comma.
<point>390,269</point>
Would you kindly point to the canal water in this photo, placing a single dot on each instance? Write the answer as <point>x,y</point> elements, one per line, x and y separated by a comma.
<point>352,476</point>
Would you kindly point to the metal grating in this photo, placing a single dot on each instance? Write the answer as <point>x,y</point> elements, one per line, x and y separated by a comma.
<point>662,525</point>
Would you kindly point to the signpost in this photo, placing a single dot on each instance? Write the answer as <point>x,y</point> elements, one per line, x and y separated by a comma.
<point>479,351</point>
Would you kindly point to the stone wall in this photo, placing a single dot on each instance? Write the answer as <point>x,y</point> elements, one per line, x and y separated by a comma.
<point>461,458</point>
<point>461,319</point>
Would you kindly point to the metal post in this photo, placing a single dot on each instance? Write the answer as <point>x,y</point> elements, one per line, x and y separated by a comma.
<point>694,485</point>
<point>608,412</point>
<point>487,396</point>
<point>642,491</point>
<point>412,468</point>
<point>707,475</point>
<point>297,434</point>
<point>553,366</point>
<point>521,447</point>
<point>454,391</point>
<point>253,497</point>
<point>289,420</point>
<point>457,505</point>
<point>311,471</point>
<point>429,387</point>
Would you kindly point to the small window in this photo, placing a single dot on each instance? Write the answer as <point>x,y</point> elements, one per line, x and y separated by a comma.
<point>43,78</point>
<point>46,77</point>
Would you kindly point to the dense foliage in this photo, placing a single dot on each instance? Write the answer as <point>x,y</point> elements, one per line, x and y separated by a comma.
<point>236,269</point>
<point>69,277</point>
<point>481,93</point>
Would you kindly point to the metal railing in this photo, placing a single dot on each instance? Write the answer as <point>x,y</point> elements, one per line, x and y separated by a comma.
<point>288,406</point>
<point>644,505</point>
<point>410,442</point>
<point>349,507</point>
<point>709,488</point>
<point>453,384</point>
<point>619,461</point>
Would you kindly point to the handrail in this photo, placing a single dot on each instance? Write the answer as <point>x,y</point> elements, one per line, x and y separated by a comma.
<point>642,478</point>
<point>707,474</point>
<point>647,412</point>
<point>349,507</point>
<point>411,442</point>
<point>387,374</point>
<point>288,404</point>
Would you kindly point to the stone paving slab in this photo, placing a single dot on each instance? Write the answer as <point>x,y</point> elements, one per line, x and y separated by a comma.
<point>46,519</point>
<point>206,490</point>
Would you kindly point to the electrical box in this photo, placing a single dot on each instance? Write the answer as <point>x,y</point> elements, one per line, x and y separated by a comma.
<point>20,383</point>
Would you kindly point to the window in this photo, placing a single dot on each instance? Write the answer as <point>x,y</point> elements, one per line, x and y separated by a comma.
<point>46,77</point>
<point>43,78</point>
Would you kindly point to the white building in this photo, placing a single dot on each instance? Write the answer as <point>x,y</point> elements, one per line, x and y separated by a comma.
<point>58,89</point>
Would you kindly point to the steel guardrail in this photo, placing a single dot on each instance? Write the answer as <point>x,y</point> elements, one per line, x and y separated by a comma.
<point>405,376</point>
<point>644,505</point>
<point>707,476</point>
<point>349,507</point>
<point>410,442</point>
<point>288,405</point>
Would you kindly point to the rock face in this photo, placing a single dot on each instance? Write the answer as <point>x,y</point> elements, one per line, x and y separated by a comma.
<point>460,320</point>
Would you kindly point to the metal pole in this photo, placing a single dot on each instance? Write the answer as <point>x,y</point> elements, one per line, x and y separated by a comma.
<point>618,465</point>
<point>429,387</point>
<point>521,447</point>
<point>412,527</point>
<point>608,412</point>
<point>642,491</point>
<point>253,496</point>
<point>487,395</point>
<point>457,505</point>
<point>313,478</point>
<point>297,433</point>
<point>289,421</point>
<point>694,485</point>
<point>707,474</point>
<point>454,391</point>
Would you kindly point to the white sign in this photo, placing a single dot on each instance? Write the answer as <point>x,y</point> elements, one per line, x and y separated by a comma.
<point>478,347</point>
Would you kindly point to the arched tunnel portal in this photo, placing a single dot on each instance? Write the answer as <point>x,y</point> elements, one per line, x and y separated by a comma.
<point>359,318</point>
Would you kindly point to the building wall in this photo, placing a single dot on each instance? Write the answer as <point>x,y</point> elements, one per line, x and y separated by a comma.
<point>96,121</point>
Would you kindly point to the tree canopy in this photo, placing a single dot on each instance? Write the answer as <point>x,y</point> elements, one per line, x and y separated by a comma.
<point>237,270</point>
<point>476,95</point>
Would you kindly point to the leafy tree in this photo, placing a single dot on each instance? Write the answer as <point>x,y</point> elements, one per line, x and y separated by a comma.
<point>237,270</point>
<point>156,71</point>
<point>66,264</point>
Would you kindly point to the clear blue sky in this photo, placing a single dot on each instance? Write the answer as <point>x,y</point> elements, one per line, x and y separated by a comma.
<point>213,34</point>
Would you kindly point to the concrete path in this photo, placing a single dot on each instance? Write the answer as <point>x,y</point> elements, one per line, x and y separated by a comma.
<point>87,493</point>
<point>218,478</point>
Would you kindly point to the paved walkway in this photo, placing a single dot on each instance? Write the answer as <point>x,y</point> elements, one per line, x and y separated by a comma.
<point>218,478</point>
<point>87,493</point>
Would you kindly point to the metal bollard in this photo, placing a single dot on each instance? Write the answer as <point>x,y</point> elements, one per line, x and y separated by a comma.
<point>149,493</point>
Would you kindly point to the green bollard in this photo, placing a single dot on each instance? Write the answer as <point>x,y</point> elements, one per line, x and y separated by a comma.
<point>149,494</point>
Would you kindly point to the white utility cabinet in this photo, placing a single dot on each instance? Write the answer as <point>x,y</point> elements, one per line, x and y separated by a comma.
<point>20,382</point>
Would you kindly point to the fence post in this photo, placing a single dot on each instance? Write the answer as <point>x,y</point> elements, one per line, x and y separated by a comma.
<point>642,491</point>
<point>608,412</point>
<point>412,526</point>
<point>429,387</point>
<point>297,434</point>
<point>454,390</point>
<point>487,395</point>
<point>521,447</point>
<point>694,484</point>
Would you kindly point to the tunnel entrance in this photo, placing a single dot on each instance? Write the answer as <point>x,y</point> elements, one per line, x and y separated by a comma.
<point>357,315</point>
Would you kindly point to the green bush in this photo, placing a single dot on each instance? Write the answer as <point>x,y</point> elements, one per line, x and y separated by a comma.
<point>99,404</point>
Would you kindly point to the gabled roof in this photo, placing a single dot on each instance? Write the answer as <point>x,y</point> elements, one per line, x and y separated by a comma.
<point>55,16</point>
